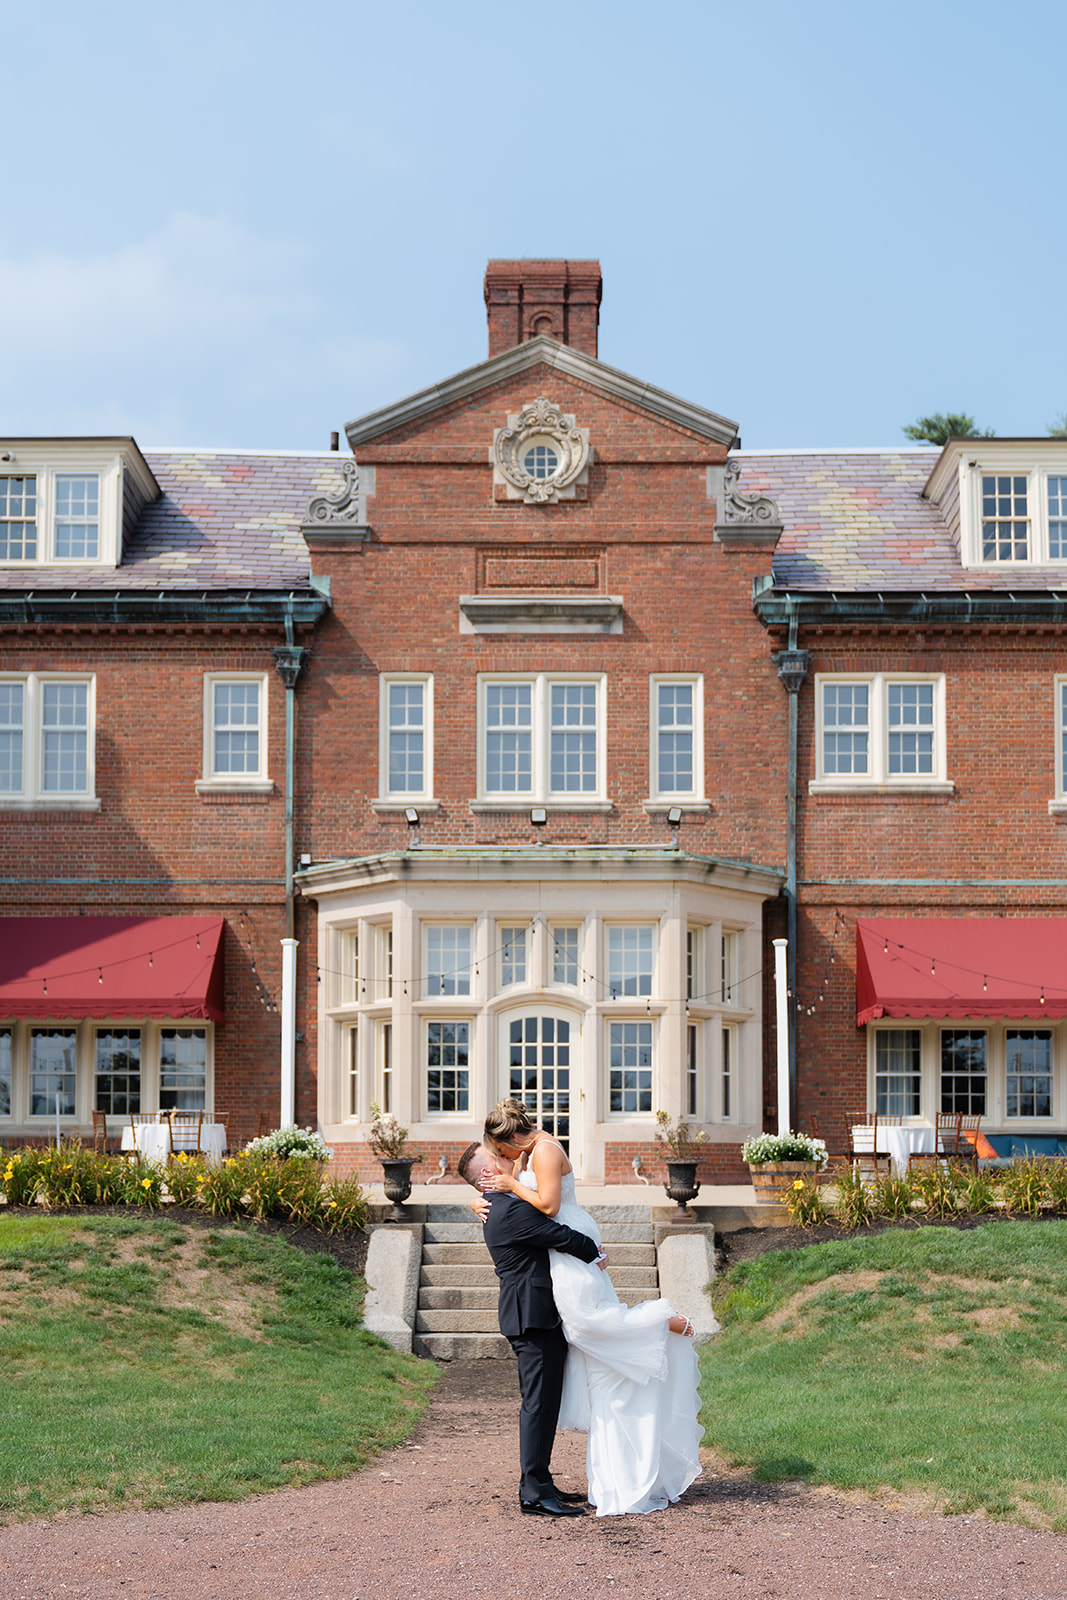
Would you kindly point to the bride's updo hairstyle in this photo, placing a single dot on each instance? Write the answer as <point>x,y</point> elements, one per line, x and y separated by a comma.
<point>507,1123</point>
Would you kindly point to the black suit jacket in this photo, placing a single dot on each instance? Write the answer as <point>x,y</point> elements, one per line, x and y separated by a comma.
<point>519,1239</point>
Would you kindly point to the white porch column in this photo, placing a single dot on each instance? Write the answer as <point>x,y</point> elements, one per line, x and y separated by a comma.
<point>781,993</point>
<point>288,1063</point>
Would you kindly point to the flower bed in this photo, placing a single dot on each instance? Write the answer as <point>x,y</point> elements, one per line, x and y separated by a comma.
<point>252,1183</point>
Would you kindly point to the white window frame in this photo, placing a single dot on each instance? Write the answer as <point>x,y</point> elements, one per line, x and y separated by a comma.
<point>878,777</point>
<point>398,799</point>
<point>1059,803</point>
<point>1037,466</point>
<point>554,930</point>
<point>33,795</point>
<point>46,462</point>
<point>455,974</point>
<point>609,928</point>
<point>540,793</point>
<point>465,1020</point>
<point>256,782</point>
<point>630,1019</point>
<point>693,797</point>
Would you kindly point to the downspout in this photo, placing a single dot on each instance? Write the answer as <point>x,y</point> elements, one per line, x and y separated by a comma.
<point>288,659</point>
<point>792,667</point>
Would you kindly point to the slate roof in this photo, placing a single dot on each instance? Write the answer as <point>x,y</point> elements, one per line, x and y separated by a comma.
<point>856,520</point>
<point>224,521</point>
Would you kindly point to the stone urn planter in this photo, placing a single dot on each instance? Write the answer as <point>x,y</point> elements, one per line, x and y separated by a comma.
<point>681,1187</point>
<point>396,1181</point>
<point>772,1180</point>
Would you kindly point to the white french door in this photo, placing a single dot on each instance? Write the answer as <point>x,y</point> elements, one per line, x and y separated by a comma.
<point>540,1059</point>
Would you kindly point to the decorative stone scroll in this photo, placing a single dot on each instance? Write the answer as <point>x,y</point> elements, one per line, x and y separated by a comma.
<point>541,456</point>
<point>341,508</point>
<point>746,510</point>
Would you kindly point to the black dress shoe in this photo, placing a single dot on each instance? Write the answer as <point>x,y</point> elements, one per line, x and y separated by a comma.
<point>571,1497</point>
<point>549,1507</point>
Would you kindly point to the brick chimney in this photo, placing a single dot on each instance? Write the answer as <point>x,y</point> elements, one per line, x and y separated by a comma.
<point>525,299</point>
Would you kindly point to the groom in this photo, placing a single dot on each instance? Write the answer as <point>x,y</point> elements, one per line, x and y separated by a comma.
<point>519,1239</point>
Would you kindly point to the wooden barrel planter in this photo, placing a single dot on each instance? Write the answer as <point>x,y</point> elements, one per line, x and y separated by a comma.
<point>772,1180</point>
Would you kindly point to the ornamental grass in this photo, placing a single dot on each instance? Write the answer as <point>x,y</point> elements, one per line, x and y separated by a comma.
<point>1030,1187</point>
<point>248,1184</point>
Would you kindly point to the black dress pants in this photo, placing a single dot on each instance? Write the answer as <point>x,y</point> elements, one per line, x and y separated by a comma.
<point>542,1354</point>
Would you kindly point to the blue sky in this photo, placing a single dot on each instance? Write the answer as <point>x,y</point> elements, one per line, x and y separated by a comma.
<point>242,225</point>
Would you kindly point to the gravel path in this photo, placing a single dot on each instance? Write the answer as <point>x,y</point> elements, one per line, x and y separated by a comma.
<point>437,1519</point>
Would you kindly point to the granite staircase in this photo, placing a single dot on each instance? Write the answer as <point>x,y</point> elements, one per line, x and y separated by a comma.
<point>456,1317</point>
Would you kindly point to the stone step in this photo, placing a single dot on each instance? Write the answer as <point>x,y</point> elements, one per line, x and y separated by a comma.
<point>463,1347</point>
<point>443,1275</point>
<point>457,1254</point>
<point>626,1232</point>
<point>478,1321</point>
<point>453,1232</point>
<point>466,1298</point>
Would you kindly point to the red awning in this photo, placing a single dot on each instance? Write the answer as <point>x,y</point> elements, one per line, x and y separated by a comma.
<point>129,967</point>
<point>1010,967</point>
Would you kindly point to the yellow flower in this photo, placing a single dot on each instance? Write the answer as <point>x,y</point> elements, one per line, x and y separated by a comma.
<point>799,1184</point>
<point>146,1183</point>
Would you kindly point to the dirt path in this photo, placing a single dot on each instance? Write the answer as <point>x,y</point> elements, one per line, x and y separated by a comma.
<point>437,1519</point>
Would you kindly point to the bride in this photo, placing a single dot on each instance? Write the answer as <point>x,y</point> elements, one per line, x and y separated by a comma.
<point>628,1381</point>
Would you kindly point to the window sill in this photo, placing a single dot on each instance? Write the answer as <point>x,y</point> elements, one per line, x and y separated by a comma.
<point>883,790</point>
<point>654,807</point>
<point>1057,808</point>
<point>409,802</point>
<point>70,802</point>
<point>554,806</point>
<point>253,786</point>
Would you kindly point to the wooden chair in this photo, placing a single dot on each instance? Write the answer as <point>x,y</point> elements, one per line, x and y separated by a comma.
<point>264,1125</point>
<point>138,1119</point>
<point>967,1140</point>
<point>946,1140</point>
<point>100,1132</point>
<point>864,1158</point>
<point>185,1131</point>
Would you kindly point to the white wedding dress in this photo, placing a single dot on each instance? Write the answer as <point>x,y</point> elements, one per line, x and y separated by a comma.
<point>629,1381</point>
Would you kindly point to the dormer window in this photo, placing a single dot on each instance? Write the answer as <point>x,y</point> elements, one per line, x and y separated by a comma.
<point>18,519</point>
<point>64,502</point>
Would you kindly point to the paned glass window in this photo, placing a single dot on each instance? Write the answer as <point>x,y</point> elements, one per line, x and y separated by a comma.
<point>573,738</point>
<point>911,728</point>
<point>728,976</point>
<point>1057,518</point>
<point>1005,517</point>
<point>630,1068</point>
<point>77,517</point>
<point>565,955</point>
<point>12,736</point>
<point>963,1070</point>
<point>727,1074</point>
<point>882,729</point>
<point>64,738</point>
<point>1028,1088</point>
<point>182,1069</point>
<point>539,1072</point>
<point>5,1071</point>
<point>540,739</point>
<point>117,1070</point>
<point>407,737</point>
<point>675,718</point>
<point>448,960</point>
<point>18,519</point>
<point>447,1067</point>
<point>692,1033</point>
<point>846,728</point>
<point>629,961</point>
<point>53,1071</point>
<point>509,738</point>
<point>540,461</point>
<point>898,1072</point>
<point>512,955</point>
<point>350,967</point>
<point>385,1066</point>
<point>352,1070</point>
<point>236,728</point>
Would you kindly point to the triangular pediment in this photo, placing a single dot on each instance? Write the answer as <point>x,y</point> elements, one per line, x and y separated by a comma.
<point>565,360</point>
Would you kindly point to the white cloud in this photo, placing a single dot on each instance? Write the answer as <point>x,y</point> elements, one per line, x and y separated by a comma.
<point>193,327</point>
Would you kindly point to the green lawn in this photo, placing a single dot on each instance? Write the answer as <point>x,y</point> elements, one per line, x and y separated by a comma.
<point>143,1363</point>
<point>931,1362</point>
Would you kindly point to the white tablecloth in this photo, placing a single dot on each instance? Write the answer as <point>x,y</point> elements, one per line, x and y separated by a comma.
<point>153,1141</point>
<point>899,1143</point>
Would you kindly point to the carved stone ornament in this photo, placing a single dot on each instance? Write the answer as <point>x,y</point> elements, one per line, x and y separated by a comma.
<point>746,510</point>
<point>341,508</point>
<point>541,456</point>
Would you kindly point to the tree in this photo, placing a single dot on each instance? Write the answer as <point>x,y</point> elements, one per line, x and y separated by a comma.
<point>939,428</point>
<point>1057,428</point>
